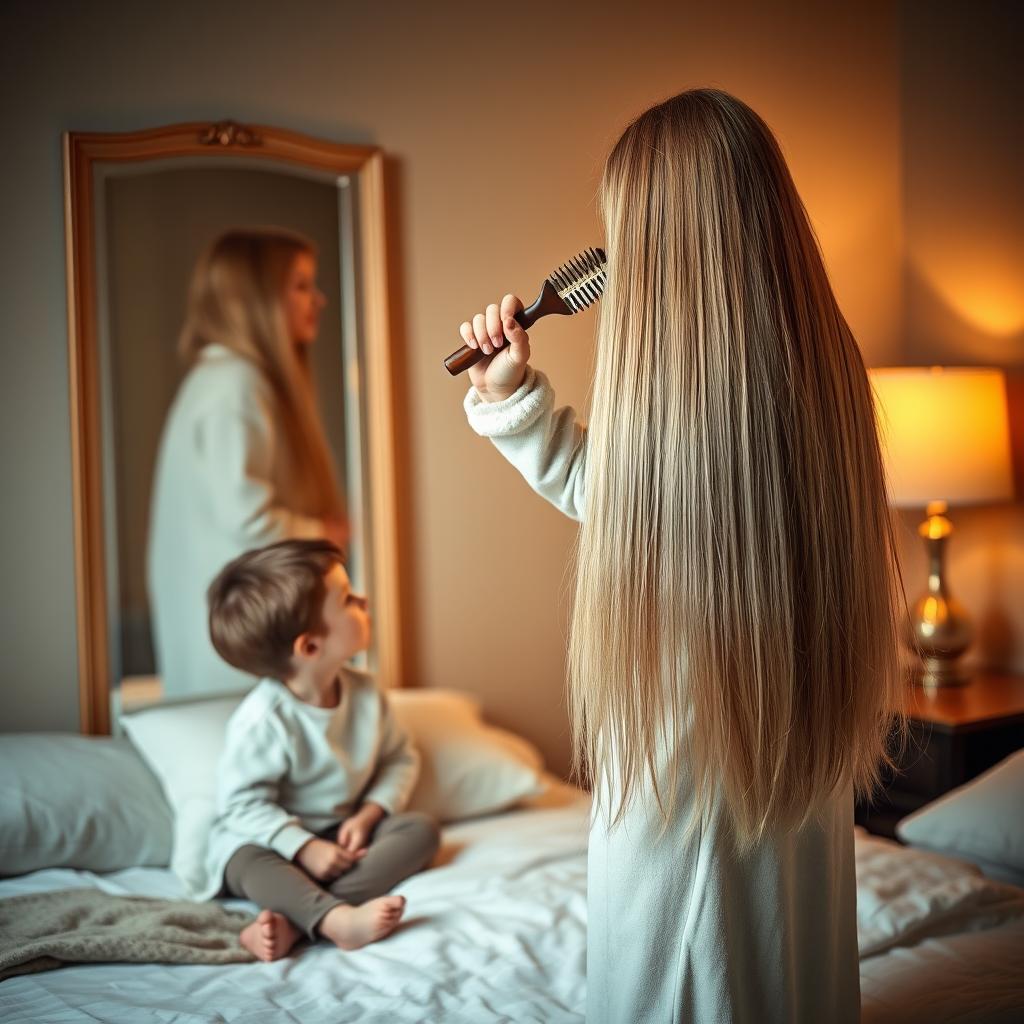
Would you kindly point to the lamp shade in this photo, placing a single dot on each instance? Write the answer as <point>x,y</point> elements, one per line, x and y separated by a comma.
<point>945,434</point>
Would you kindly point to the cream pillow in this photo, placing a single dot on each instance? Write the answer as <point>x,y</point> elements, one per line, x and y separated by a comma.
<point>468,768</point>
<point>981,822</point>
<point>182,743</point>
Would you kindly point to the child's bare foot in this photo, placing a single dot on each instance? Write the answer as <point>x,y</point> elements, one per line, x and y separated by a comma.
<point>351,927</point>
<point>270,937</point>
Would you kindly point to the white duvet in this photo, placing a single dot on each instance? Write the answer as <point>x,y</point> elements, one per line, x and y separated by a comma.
<point>498,933</point>
<point>938,941</point>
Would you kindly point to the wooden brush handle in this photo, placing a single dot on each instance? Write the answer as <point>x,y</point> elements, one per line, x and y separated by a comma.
<point>466,357</point>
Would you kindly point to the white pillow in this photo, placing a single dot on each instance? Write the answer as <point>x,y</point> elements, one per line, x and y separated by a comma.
<point>981,822</point>
<point>468,768</point>
<point>78,802</point>
<point>182,743</point>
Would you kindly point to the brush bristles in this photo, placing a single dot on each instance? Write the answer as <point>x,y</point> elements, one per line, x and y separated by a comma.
<point>581,281</point>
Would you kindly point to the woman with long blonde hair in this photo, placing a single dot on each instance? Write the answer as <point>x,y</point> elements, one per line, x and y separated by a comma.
<point>243,459</point>
<point>733,652</point>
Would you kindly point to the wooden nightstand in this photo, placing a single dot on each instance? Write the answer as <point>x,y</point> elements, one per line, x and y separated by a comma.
<point>956,733</point>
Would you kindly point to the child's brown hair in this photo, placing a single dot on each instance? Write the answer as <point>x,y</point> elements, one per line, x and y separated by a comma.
<point>262,600</point>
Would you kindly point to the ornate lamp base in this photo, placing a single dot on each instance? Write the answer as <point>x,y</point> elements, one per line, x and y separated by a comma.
<point>935,672</point>
<point>940,628</point>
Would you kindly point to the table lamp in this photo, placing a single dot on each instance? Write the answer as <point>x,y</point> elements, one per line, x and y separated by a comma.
<point>946,441</point>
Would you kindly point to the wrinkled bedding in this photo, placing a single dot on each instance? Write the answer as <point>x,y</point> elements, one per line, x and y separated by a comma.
<point>497,933</point>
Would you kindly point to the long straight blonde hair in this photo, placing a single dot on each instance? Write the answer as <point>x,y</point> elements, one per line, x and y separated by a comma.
<point>735,615</point>
<point>235,300</point>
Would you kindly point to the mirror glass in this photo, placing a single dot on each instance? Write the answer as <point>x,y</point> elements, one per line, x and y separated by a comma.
<point>153,220</point>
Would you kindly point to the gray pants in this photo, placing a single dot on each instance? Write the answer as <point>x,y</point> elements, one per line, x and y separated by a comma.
<point>401,845</point>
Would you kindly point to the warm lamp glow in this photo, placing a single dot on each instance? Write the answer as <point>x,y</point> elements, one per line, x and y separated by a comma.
<point>983,288</point>
<point>945,435</point>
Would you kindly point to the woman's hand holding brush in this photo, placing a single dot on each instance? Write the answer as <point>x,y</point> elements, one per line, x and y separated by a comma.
<point>496,342</point>
<point>506,347</point>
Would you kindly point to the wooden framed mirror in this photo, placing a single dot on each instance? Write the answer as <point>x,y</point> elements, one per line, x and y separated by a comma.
<point>137,207</point>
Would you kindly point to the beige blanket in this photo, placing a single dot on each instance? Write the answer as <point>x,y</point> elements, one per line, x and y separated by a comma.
<point>40,931</point>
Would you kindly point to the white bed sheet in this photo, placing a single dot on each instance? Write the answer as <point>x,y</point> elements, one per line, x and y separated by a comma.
<point>498,934</point>
<point>968,978</point>
<point>939,942</point>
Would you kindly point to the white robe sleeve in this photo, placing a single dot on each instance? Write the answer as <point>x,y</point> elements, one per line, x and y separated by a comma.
<point>547,445</point>
<point>235,452</point>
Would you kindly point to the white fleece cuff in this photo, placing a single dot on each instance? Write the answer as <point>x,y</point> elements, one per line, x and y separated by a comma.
<point>514,414</point>
<point>382,798</point>
<point>290,839</point>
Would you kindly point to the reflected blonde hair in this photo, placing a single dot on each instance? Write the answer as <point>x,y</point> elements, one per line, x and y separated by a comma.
<point>735,616</point>
<point>236,300</point>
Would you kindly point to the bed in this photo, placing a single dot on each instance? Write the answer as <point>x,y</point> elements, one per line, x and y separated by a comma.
<point>496,931</point>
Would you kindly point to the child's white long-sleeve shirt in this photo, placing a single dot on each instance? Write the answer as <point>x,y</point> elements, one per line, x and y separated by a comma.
<point>291,769</point>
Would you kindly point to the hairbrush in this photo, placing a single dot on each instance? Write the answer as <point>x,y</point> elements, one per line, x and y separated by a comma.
<point>570,289</point>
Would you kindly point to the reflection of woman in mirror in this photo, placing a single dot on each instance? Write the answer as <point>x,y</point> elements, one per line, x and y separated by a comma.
<point>243,459</point>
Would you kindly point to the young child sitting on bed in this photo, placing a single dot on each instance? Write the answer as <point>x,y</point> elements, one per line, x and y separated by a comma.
<point>315,770</point>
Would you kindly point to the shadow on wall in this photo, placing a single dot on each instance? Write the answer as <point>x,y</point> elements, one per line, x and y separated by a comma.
<point>971,299</point>
<point>405,497</point>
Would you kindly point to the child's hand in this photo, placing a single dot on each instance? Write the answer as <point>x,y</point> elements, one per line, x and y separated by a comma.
<point>500,375</point>
<point>325,861</point>
<point>354,833</point>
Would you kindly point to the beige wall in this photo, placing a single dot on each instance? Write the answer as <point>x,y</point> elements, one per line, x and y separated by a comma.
<point>497,119</point>
<point>962,97</point>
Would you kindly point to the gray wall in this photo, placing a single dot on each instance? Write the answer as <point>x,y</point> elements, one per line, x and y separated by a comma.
<point>496,119</point>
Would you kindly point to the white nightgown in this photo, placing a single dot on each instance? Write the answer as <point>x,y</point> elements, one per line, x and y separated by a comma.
<point>689,930</point>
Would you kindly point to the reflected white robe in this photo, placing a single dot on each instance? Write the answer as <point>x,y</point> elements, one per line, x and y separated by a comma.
<point>687,929</point>
<point>220,487</point>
